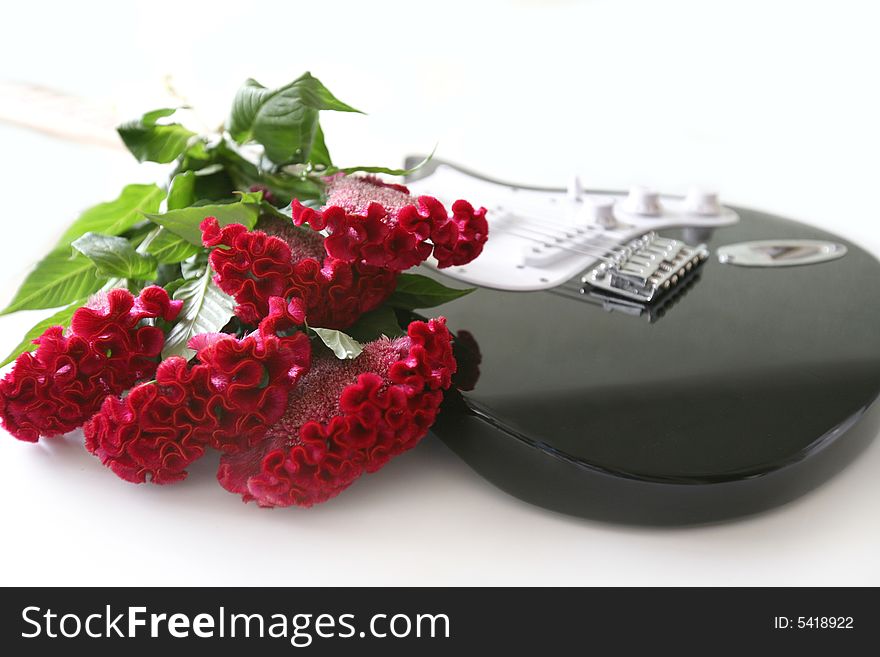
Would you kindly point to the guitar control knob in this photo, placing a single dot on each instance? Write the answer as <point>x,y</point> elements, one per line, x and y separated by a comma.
<point>602,212</point>
<point>703,202</point>
<point>643,201</point>
<point>575,190</point>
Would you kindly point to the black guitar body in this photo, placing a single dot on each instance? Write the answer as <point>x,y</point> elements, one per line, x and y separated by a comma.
<point>742,390</point>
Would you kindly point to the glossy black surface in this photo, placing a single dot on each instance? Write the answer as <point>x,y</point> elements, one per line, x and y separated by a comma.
<point>750,371</point>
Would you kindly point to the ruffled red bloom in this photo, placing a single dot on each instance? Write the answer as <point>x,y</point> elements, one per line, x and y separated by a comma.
<point>108,349</point>
<point>225,401</point>
<point>380,224</point>
<point>254,266</point>
<point>347,417</point>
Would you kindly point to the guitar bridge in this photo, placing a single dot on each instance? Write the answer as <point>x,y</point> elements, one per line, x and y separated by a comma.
<point>646,268</point>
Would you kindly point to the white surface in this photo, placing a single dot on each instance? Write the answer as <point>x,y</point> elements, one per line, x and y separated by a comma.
<point>784,118</point>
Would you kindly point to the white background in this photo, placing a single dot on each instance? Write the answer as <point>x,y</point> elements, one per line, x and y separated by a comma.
<point>775,103</point>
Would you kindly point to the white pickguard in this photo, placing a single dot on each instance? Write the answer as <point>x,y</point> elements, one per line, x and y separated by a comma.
<point>541,239</point>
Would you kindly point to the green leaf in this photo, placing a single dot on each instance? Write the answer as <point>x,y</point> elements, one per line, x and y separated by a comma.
<point>169,248</point>
<point>165,273</point>
<point>214,186</point>
<point>417,291</point>
<point>58,279</point>
<point>344,346</point>
<point>375,324</point>
<point>115,256</point>
<point>185,221</point>
<point>117,216</point>
<point>172,286</point>
<point>147,140</point>
<point>279,213</point>
<point>206,309</point>
<point>194,267</point>
<point>198,150</point>
<point>283,120</point>
<point>181,193</point>
<point>151,117</point>
<point>320,155</point>
<point>139,234</point>
<point>311,92</point>
<point>283,185</point>
<point>386,170</point>
<point>250,197</point>
<point>247,102</point>
<point>61,318</point>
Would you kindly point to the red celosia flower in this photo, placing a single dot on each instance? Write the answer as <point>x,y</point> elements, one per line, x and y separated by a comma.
<point>379,224</point>
<point>107,350</point>
<point>254,266</point>
<point>345,418</point>
<point>226,401</point>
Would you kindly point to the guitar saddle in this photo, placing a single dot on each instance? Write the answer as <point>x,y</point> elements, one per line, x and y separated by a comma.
<point>646,268</point>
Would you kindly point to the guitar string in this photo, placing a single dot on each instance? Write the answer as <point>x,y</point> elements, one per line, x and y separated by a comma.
<point>569,231</point>
<point>568,234</point>
<point>598,252</point>
<point>577,228</point>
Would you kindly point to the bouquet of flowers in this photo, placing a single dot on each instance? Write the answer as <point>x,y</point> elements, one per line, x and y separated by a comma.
<point>255,305</point>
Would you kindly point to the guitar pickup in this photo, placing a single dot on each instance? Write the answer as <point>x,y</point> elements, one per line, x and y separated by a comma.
<point>646,268</point>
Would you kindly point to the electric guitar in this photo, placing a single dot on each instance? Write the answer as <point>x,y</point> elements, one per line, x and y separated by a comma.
<point>653,359</point>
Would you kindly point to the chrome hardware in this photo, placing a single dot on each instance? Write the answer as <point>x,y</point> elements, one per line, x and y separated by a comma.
<point>645,268</point>
<point>780,253</point>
